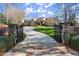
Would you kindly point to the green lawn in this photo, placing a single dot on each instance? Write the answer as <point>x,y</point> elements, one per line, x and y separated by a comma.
<point>50,31</point>
<point>47,30</point>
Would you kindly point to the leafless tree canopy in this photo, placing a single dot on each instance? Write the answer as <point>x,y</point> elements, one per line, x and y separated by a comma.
<point>14,15</point>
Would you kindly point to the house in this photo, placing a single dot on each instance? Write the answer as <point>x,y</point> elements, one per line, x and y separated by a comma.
<point>47,21</point>
<point>52,21</point>
<point>41,21</point>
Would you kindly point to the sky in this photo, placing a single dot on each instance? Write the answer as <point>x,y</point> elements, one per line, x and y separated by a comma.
<point>41,10</point>
<point>36,10</point>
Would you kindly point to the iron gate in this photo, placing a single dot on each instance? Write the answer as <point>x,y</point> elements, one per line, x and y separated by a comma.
<point>57,33</point>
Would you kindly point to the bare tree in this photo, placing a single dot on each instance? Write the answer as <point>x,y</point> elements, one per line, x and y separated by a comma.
<point>14,15</point>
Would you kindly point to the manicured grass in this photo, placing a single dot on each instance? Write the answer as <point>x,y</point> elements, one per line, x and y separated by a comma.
<point>46,30</point>
<point>50,31</point>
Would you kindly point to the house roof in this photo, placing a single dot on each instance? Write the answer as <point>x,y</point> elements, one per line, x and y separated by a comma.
<point>41,18</point>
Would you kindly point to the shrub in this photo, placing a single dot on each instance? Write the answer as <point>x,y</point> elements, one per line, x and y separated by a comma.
<point>75,42</point>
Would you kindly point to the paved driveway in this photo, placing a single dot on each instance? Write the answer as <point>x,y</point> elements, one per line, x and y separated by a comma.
<point>39,44</point>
